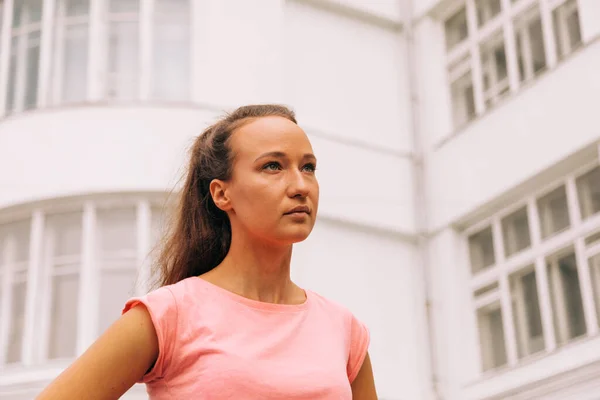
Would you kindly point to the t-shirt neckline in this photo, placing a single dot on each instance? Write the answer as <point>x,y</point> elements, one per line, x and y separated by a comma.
<point>260,305</point>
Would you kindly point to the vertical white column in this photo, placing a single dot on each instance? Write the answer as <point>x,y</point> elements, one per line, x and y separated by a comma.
<point>34,273</point>
<point>45,66</point>
<point>89,282</point>
<point>475,58</point>
<point>548,33</point>
<point>144,221</point>
<point>541,278</point>
<point>5,46</point>
<point>145,48</point>
<point>198,45</point>
<point>97,50</point>
<point>7,257</point>
<point>510,337</point>
<point>510,47</point>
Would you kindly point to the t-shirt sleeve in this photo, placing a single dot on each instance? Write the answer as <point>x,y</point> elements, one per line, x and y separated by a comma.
<point>359,344</point>
<point>162,306</point>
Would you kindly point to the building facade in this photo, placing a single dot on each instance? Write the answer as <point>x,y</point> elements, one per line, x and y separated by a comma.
<point>458,161</point>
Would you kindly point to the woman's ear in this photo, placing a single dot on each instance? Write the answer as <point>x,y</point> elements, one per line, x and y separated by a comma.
<point>218,192</point>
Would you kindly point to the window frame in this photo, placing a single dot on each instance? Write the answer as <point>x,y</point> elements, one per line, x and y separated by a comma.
<point>97,79</point>
<point>537,254</point>
<point>39,270</point>
<point>509,17</point>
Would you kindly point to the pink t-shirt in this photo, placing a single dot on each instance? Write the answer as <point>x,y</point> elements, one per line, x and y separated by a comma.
<point>215,344</point>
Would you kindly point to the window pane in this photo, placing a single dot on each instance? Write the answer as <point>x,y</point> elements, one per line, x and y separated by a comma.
<point>491,336</point>
<point>26,12</point>
<point>526,312</point>
<point>32,65</point>
<point>124,6</point>
<point>74,8</point>
<point>515,228</point>
<point>18,233</point>
<point>493,66</point>
<point>11,94</point>
<point>70,75</point>
<point>66,231</point>
<point>487,9</point>
<point>595,277</point>
<point>554,212</point>
<point>563,278</point>
<point>481,246</point>
<point>17,323</point>
<point>566,28</point>
<point>123,60</point>
<point>23,72</point>
<point>456,28</point>
<point>117,230</point>
<point>116,287</point>
<point>463,101</point>
<point>63,316</point>
<point>530,47</point>
<point>588,188</point>
<point>171,56</point>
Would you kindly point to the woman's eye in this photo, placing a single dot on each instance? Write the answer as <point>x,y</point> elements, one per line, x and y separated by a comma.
<point>310,167</point>
<point>272,166</point>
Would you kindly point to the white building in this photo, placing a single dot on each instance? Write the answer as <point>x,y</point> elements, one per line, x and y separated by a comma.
<point>458,161</point>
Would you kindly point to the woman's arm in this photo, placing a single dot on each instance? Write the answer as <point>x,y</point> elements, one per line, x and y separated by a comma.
<point>363,386</point>
<point>113,364</point>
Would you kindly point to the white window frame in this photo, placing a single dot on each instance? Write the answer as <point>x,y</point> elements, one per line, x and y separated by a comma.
<point>39,271</point>
<point>503,22</point>
<point>62,23</point>
<point>538,254</point>
<point>98,79</point>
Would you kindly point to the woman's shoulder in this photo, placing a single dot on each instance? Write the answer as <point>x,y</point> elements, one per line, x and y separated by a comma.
<point>332,307</point>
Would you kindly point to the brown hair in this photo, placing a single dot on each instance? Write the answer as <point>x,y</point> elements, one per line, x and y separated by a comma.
<point>200,233</point>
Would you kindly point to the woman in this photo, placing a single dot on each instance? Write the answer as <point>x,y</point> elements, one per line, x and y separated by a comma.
<point>227,321</point>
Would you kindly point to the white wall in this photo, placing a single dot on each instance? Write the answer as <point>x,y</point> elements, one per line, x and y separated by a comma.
<point>239,49</point>
<point>347,78</point>
<point>530,132</point>
<point>353,95</point>
<point>74,151</point>
<point>372,273</point>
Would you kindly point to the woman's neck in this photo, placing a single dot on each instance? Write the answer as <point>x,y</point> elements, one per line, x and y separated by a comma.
<point>257,271</point>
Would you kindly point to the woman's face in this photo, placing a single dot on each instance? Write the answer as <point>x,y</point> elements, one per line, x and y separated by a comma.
<point>273,193</point>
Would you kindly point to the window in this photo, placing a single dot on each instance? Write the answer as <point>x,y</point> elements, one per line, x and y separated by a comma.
<point>567,31</point>
<point>70,59</point>
<point>117,256</point>
<point>24,56</point>
<point>515,229</point>
<point>588,188</point>
<point>481,247</point>
<point>463,102</point>
<point>526,312</point>
<point>63,262</point>
<point>110,235</point>
<point>491,337</point>
<point>171,55</point>
<point>484,44</point>
<point>493,66</point>
<point>594,263</point>
<point>456,28</point>
<point>530,45</point>
<point>14,256</point>
<point>123,49</point>
<point>487,10</point>
<point>530,264</point>
<point>554,212</point>
<point>563,278</point>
